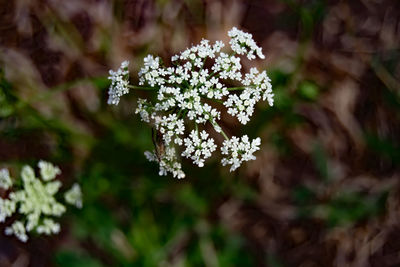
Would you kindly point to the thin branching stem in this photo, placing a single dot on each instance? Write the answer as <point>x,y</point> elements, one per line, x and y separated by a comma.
<point>142,87</point>
<point>239,88</point>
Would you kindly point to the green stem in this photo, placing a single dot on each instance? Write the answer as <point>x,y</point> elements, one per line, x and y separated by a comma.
<point>179,113</point>
<point>214,123</point>
<point>235,88</point>
<point>239,88</point>
<point>142,87</point>
<point>212,74</point>
<point>212,99</point>
<point>224,134</point>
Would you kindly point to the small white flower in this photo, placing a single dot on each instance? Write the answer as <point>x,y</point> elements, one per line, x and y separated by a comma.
<point>74,196</point>
<point>151,74</point>
<point>243,43</point>
<point>27,174</point>
<point>5,179</point>
<point>39,198</point>
<point>48,227</point>
<point>32,221</point>
<point>48,171</point>
<point>119,83</point>
<point>239,150</point>
<point>198,147</point>
<point>18,229</point>
<point>259,87</point>
<point>36,202</point>
<point>168,162</point>
<point>7,208</point>
<point>170,126</point>
<point>144,109</point>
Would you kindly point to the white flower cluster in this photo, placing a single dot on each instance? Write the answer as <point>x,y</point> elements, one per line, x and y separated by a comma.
<point>74,196</point>
<point>242,106</point>
<point>168,162</point>
<point>243,44</point>
<point>239,150</point>
<point>48,171</point>
<point>190,92</point>
<point>36,201</point>
<point>5,179</point>
<point>119,83</point>
<point>198,148</point>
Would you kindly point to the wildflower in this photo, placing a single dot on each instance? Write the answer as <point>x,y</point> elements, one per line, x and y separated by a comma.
<point>243,43</point>
<point>144,109</point>
<point>5,180</point>
<point>167,161</point>
<point>119,83</point>
<point>18,229</point>
<point>27,174</point>
<point>190,92</point>
<point>36,202</point>
<point>259,87</point>
<point>39,199</point>
<point>238,150</point>
<point>48,171</point>
<point>74,196</point>
<point>7,208</point>
<point>198,148</point>
<point>48,227</point>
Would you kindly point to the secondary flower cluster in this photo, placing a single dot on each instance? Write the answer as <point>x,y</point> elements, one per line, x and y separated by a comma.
<point>189,93</point>
<point>36,201</point>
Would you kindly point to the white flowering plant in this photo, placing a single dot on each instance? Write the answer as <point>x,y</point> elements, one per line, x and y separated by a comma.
<point>188,95</point>
<point>35,200</point>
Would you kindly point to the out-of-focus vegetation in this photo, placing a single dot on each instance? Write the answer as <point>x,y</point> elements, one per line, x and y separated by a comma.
<point>324,190</point>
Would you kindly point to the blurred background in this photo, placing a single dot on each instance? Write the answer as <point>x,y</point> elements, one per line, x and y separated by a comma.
<point>324,190</point>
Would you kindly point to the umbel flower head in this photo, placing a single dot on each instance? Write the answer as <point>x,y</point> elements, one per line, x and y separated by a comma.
<point>188,96</point>
<point>35,201</point>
